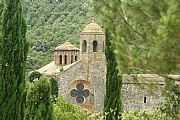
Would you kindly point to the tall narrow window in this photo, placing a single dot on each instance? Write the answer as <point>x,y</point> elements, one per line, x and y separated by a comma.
<point>103,47</point>
<point>60,59</point>
<point>84,46</point>
<point>95,46</point>
<point>144,99</point>
<point>75,58</point>
<point>72,59</point>
<point>65,59</point>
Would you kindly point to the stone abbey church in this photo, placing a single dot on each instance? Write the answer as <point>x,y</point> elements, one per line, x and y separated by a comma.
<point>81,75</point>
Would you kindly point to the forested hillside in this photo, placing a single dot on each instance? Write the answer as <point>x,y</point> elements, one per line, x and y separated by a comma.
<point>50,23</point>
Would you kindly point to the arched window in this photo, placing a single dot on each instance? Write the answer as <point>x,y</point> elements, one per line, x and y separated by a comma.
<point>65,59</point>
<point>95,46</point>
<point>75,58</point>
<point>72,59</point>
<point>60,59</point>
<point>84,46</point>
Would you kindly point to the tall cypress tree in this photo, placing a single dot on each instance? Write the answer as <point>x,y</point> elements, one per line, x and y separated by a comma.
<point>1,9</point>
<point>112,102</point>
<point>14,53</point>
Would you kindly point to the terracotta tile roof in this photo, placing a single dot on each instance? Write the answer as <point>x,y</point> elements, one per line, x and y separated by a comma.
<point>67,46</point>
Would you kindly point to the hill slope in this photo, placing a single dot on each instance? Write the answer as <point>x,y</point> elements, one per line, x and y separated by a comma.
<point>52,23</point>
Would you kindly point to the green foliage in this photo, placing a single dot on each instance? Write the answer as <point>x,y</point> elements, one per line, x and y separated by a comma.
<point>54,87</point>
<point>34,75</point>
<point>112,99</point>
<point>171,104</point>
<point>38,102</point>
<point>141,46</point>
<point>1,10</point>
<point>13,53</point>
<point>41,46</point>
<point>144,115</point>
<point>47,28</point>
<point>64,110</point>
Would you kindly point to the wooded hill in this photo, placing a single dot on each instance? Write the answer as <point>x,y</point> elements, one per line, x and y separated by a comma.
<point>51,22</point>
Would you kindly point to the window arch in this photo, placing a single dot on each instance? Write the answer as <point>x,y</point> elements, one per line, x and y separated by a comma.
<point>95,44</point>
<point>75,58</point>
<point>72,59</point>
<point>60,59</point>
<point>84,46</point>
<point>65,59</point>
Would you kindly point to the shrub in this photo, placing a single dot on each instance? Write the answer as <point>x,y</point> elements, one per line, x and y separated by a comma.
<point>38,100</point>
<point>64,110</point>
<point>34,75</point>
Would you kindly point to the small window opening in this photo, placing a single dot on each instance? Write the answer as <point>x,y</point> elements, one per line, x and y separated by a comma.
<point>95,46</point>
<point>75,58</point>
<point>84,46</point>
<point>145,100</point>
<point>72,59</point>
<point>60,59</point>
<point>103,47</point>
<point>65,59</point>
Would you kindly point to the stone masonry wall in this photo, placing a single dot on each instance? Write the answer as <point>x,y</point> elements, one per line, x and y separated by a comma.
<point>141,91</point>
<point>93,74</point>
<point>135,97</point>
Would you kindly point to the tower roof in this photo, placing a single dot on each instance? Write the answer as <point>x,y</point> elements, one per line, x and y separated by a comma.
<point>66,46</point>
<point>92,28</point>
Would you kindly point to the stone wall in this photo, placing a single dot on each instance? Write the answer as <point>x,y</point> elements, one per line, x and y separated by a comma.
<point>135,97</point>
<point>92,76</point>
<point>141,92</point>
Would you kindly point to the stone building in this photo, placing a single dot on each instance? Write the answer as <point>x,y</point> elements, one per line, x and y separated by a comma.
<point>81,75</point>
<point>141,91</point>
<point>66,54</point>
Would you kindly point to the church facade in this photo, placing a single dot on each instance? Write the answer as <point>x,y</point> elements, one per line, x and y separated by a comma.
<point>81,75</point>
<point>84,81</point>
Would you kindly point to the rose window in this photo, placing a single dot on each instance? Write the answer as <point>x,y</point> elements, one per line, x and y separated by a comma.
<point>80,93</point>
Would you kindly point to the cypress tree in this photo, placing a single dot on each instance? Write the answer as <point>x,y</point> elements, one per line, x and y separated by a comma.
<point>1,9</point>
<point>112,101</point>
<point>54,88</point>
<point>14,51</point>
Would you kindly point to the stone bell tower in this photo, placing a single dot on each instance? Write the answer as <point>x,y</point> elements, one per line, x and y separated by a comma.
<point>92,55</point>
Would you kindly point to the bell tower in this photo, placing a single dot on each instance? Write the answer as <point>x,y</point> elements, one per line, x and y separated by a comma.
<point>92,56</point>
<point>92,43</point>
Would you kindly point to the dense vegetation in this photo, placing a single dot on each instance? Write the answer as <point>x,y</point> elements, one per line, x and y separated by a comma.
<point>38,101</point>
<point>145,32</point>
<point>112,100</point>
<point>13,63</point>
<point>50,26</point>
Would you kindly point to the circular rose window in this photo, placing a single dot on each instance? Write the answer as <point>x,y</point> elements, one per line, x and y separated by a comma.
<point>79,93</point>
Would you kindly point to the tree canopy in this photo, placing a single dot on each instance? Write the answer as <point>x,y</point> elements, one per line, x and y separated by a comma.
<point>145,32</point>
